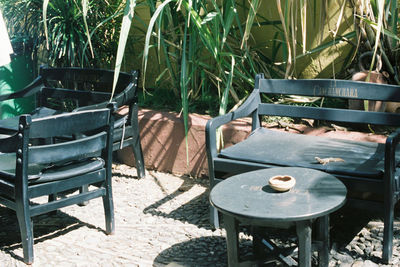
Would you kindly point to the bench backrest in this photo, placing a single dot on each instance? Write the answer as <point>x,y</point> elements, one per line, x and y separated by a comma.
<point>343,89</point>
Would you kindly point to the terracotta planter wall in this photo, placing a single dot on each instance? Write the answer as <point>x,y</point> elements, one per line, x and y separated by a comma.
<point>163,142</point>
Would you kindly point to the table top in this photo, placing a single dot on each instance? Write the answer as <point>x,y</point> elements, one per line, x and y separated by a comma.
<point>248,195</point>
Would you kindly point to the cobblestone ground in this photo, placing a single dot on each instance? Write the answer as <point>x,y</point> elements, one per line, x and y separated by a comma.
<point>162,220</point>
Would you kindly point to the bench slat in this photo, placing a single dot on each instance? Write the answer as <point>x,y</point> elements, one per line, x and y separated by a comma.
<point>330,114</point>
<point>331,88</point>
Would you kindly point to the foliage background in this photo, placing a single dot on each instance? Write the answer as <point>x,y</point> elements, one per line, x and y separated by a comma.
<point>68,41</point>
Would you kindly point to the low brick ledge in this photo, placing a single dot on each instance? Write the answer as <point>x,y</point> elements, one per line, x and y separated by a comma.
<point>163,140</point>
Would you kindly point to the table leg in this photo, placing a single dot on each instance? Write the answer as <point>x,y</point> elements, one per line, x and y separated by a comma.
<point>303,229</point>
<point>323,236</point>
<point>232,240</point>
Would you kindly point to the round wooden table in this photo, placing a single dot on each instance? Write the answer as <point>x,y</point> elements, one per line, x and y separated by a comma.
<point>248,198</point>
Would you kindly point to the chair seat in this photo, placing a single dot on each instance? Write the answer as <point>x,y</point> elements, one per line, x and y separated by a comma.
<point>44,173</point>
<point>363,159</point>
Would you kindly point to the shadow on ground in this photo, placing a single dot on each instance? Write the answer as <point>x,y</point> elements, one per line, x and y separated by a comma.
<point>45,227</point>
<point>346,224</point>
<point>195,212</point>
<point>203,251</point>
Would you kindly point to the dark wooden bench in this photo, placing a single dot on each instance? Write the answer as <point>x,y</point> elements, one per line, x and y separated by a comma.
<point>58,90</point>
<point>364,167</point>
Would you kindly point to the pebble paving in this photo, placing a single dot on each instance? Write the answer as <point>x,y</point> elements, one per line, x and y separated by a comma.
<point>162,220</point>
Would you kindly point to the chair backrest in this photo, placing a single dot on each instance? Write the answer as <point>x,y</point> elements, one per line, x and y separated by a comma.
<point>93,127</point>
<point>70,88</point>
<point>85,79</point>
<point>327,88</point>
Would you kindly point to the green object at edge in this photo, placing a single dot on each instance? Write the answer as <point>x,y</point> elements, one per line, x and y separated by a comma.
<point>14,77</point>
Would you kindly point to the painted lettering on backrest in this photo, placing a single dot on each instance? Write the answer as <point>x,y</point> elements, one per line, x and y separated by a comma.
<point>335,91</point>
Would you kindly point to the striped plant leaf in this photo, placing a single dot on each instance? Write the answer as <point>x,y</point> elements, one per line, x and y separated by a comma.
<point>123,37</point>
<point>85,8</point>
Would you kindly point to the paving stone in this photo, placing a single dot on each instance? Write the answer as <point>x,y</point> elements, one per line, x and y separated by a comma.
<point>369,263</point>
<point>358,264</point>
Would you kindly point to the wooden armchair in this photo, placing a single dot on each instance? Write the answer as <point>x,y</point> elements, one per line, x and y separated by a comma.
<point>30,168</point>
<point>58,90</point>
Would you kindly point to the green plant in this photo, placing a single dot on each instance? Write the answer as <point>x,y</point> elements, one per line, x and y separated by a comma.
<point>375,30</point>
<point>377,25</point>
<point>203,45</point>
<point>64,38</point>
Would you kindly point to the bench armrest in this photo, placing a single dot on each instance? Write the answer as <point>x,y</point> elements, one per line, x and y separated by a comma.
<point>245,110</point>
<point>29,90</point>
<point>390,158</point>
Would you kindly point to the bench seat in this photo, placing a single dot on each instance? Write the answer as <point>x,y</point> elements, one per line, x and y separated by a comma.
<point>361,159</point>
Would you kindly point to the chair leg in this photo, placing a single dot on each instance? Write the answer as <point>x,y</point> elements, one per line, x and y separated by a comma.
<point>83,189</point>
<point>137,147</point>
<point>26,230</point>
<point>52,197</point>
<point>137,151</point>
<point>109,210</point>
<point>214,218</point>
<point>388,231</point>
<point>214,214</point>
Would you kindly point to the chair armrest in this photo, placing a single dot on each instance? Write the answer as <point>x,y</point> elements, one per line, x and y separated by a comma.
<point>29,90</point>
<point>245,110</point>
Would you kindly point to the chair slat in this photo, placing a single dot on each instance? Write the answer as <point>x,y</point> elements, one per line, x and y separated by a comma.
<point>67,151</point>
<point>99,78</point>
<point>69,93</point>
<point>68,123</point>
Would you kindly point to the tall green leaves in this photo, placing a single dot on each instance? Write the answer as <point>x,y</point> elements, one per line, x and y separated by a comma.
<point>207,42</point>
<point>46,32</point>
<point>210,42</point>
<point>123,37</point>
<point>148,36</point>
<point>85,7</point>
